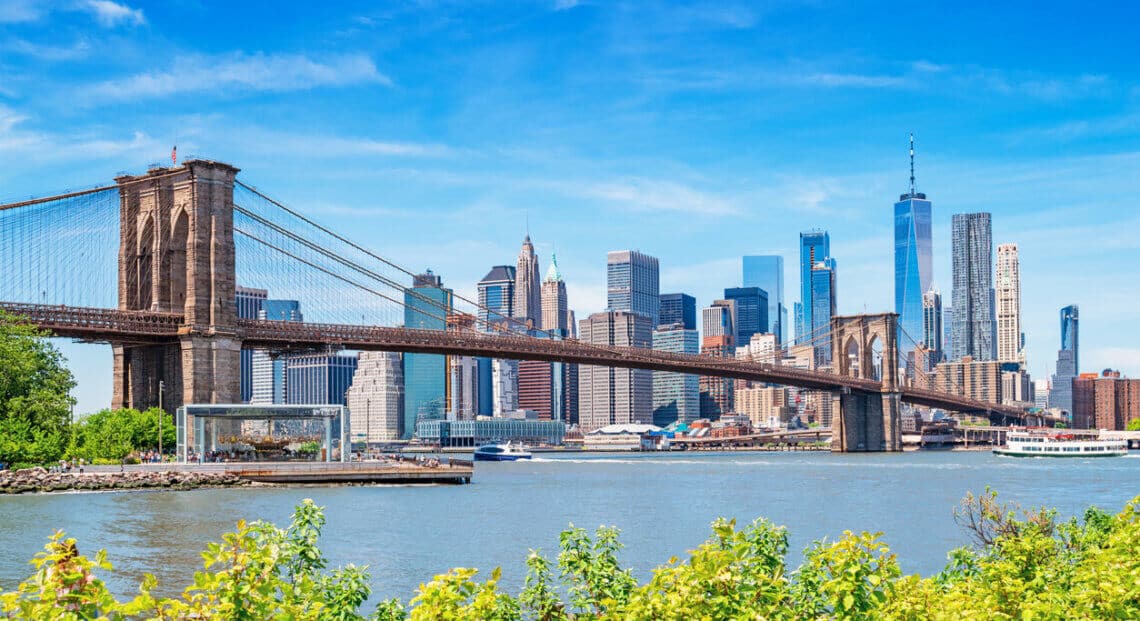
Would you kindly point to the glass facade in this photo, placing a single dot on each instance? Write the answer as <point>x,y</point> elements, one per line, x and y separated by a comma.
<point>932,327</point>
<point>323,379</point>
<point>496,295</point>
<point>676,396</point>
<point>678,308</point>
<point>822,309</point>
<point>1070,317</point>
<point>270,381</point>
<point>767,272</point>
<point>633,284</point>
<point>913,269</point>
<point>248,306</point>
<point>972,252</point>
<point>815,246</point>
<point>751,312</point>
<point>426,305</point>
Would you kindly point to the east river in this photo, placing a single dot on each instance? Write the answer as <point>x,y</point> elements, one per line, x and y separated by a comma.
<point>663,503</point>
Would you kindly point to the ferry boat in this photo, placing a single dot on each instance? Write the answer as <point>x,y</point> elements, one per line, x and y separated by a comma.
<point>501,452</point>
<point>1059,443</point>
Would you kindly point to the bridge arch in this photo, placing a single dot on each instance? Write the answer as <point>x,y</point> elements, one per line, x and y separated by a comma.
<point>176,281</point>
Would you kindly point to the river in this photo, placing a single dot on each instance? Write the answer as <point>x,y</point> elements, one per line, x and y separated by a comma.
<point>663,503</point>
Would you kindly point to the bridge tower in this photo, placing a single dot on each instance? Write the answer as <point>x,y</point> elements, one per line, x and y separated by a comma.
<point>176,255</point>
<point>866,346</point>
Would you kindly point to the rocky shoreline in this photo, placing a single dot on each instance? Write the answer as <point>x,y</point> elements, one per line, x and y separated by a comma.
<point>37,480</point>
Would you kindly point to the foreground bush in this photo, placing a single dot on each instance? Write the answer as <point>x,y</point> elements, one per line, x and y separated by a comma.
<point>1023,565</point>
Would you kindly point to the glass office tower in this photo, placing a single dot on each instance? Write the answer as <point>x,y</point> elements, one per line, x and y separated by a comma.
<point>1070,316</point>
<point>751,312</point>
<point>913,271</point>
<point>767,272</point>
<point>678,308</point>
<point>633,284</point>
<point>426,305</point>
<point>815,246</point>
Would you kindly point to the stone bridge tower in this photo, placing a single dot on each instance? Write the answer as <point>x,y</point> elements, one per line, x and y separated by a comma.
<point>866,346</point>
<point>176,255</point>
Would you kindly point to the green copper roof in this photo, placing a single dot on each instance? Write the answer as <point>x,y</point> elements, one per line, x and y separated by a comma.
<point>552,272</point>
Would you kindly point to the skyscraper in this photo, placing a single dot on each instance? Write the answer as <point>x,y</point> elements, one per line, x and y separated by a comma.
<point>676,396</point>
<point>269,371</point>
<point>496,296</point>
<point>932,327</point>
<point>767,272</point>
<point>1008,298</point>
<point>973,296</point>
<point>1070,317</point>
<point>678,308</point>
<point>913,269</point>
<point>751,311</point>
<point>609,395</point>
<point>815,247</point>
<point>319,378</point>
<point>248,306</point>
<point>633,284</point>
<point>463,387</point>
<point>555,311</point>
<point>426,306</point>
<point>558,320</point>
<point>823,306</point>
<point>718,321</point>
<point>376,398</point>
<point>528,296</point>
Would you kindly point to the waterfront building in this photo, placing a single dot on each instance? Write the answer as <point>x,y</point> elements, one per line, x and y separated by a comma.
<point>376,398</point>
<point>678,308</point>
<point>1008,299</point>
<point>719,341</point>
<point>913,262</point>
<point>976,379</point>
<point>932,328</point>
<point>823,302</point>
<point>815,247</point>
<point>319,378</point>
<point>633,284</point>
<point>1106,402</point>
<point>484,430</point>
<point>528,293</point>
<point>619,437</point>
<point>612,395</point>
<point>973,296</point>
<point>248,306</point>
<point>676,396</point>
<point>767,272</point>
<point>426,306</point>
<point>269,378</point>
<point>751,311</point>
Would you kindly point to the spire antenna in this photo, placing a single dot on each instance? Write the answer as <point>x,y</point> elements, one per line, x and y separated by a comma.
<point>912,188</point>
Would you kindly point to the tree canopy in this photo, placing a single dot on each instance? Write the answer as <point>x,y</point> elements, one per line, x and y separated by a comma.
<point>115,434</point>
<point>35,400</point>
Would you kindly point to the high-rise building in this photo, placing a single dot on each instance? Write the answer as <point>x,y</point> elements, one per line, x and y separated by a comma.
<point>676,396</point>
<point>504,386</point>
<point>376,397</point>
<point>751,311</point>
<point>932,327</point>
<point>248,306</point>
<point>913,262</point>
<point>1070,319</point>
<point>678,308</point>
<point>463,388</point>
<point>823,307</point>
<point>719,341</point>
<point>560,388</point>
<point>270,381</point>
<point>976,379</point>
<point>1041,393</point>
<point>1106,402</point>
<point>536,379</point>
<point>1008,297</point>
<point>767,272</point>
<point>973,296</point>
<point>609,395</point>
<point>947,332</point>
<point>528,292</point>
<point>496,296</point>
<point>555,311</point>
<point>633,283</point>
<point>815,247</point>
<point>426,307</point>
<point>319,378</point>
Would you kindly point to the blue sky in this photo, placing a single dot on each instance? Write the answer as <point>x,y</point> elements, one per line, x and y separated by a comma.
<point>696,132</point>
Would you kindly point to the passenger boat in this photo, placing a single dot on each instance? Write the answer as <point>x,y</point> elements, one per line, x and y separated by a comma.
<point>501,452</point>
<point>1059,443</point>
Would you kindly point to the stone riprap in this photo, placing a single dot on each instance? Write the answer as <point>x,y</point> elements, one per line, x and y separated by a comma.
<point>32,480</point>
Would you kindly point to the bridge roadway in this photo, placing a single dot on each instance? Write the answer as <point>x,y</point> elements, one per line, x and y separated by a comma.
<point>142,327</point>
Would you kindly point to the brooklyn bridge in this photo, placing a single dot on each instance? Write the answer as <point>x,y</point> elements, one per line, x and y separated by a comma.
<point>151,265</point>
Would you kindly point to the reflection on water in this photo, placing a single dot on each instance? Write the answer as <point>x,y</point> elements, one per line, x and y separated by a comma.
<point>662,503</point>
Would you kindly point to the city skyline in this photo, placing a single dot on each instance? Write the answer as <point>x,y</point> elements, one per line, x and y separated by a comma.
<point>692,161</point>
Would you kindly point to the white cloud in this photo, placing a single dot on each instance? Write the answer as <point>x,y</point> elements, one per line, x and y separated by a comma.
<point>658,195</point>
<point>109,13</point>
<point>241,72</point>
<point>851,80</point>
<point>18,11</point>
<point>562,5</point>
<point>79,49</point>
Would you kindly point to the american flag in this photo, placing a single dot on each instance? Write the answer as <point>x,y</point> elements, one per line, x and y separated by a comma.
<point>174,155</point>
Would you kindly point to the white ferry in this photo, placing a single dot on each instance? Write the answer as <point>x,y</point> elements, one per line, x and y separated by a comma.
<point>501,452</point>
<point>1059,443</point>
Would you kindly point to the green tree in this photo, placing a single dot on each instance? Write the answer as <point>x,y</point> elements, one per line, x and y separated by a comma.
<point>115,434</point>
<point>1134,424</point>
<point>35,404</point>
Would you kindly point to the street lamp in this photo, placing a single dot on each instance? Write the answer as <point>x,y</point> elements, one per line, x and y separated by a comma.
<point>161,411</point>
